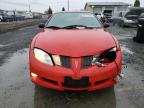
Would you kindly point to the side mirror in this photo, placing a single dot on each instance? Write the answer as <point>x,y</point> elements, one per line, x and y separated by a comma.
<point>106,25</point>
<point>41,25</point>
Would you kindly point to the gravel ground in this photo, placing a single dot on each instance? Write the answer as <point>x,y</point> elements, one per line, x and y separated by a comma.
<point>17,91</point>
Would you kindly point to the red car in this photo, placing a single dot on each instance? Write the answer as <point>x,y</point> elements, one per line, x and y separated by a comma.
<point>74,52</point>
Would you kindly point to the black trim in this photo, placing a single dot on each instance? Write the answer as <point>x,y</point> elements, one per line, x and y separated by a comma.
<point>50,81</point>
<point>100,82</point>
<point>72,83</point>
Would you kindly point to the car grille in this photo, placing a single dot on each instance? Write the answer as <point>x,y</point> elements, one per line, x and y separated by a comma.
<point>86,61</point>
<point>66,61</point>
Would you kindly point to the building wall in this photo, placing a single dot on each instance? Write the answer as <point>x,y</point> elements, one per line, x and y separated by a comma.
<point>123,8</point>
<point>100,9</point>
<point>89,8</point>
<point>97,9</point>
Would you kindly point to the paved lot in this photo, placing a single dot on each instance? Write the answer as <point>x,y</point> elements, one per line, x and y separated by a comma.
<point>17,91</point>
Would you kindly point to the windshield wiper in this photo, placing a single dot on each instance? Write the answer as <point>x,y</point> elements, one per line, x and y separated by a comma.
<point>76,26</point>
<point>53,27</point>
<point>70,27</point>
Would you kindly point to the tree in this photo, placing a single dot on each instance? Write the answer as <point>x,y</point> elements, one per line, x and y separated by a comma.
<point>63,9</point>
<point>137,3</point>
<point>49,11</point>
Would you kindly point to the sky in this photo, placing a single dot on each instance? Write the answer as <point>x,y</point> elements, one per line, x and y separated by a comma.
<point>56,5</point>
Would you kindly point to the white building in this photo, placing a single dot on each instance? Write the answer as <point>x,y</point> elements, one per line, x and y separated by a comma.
<point>111,7</point>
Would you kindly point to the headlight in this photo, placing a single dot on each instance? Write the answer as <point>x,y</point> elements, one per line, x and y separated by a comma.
<point>43,56</point>
<point>106,57</point>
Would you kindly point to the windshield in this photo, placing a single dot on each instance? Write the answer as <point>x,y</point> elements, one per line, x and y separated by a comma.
<point>71,18</point>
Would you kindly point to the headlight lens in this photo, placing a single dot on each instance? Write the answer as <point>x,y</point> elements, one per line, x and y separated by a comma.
<point>43,56</point>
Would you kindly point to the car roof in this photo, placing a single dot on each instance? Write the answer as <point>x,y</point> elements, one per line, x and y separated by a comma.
<point>137,8</point>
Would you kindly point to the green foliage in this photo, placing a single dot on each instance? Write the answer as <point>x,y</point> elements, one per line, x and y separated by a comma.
<point>137,3</point>
<point>63,9</point>
<point>49,11</point>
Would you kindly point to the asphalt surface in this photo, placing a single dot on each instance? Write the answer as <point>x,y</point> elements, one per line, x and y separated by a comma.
<point>17,91</point>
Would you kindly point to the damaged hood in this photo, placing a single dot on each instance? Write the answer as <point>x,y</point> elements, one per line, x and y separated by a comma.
<point>75,42</point>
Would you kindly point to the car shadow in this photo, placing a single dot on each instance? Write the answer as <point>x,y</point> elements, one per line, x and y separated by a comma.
<point>45,98</point>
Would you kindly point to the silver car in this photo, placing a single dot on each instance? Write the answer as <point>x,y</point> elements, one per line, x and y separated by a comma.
<point>122,19</point>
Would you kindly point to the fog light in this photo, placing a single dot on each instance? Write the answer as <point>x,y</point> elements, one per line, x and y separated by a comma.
<point>34,75</point>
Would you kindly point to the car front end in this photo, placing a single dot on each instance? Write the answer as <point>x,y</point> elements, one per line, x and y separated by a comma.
<point>75,73</point>
<point>75,59</point>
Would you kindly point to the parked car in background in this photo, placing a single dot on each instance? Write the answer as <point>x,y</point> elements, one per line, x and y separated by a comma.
<point>129,18</point>
<point>122,20</point>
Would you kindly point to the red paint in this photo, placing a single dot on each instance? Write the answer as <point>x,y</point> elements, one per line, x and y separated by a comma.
<point>74,43</point>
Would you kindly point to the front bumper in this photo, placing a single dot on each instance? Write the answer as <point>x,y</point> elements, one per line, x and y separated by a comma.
<point>54,77</point>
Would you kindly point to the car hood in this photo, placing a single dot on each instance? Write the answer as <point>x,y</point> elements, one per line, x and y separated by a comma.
<point>74,43</point>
